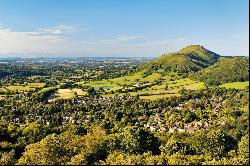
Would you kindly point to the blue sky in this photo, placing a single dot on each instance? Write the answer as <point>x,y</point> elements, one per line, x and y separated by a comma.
<point>122,27</point>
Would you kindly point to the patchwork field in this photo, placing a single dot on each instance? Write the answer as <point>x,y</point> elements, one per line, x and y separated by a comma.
<point>164,89</point>
<point>22,87</point>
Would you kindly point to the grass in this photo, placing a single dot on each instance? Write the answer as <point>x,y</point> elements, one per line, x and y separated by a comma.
<point>19,88</point>
<point>195,86</point>
<point>136,78</point>
<point>36,85</point>
<point>3,90</point>
<point>126,80</point>
<point>235,85</point>
<point>79,92</point>
<point>99,83</point>
<point>178,84</point>
<point>22,87</point>
<point>156,90</point>
<point>131,79</point>
<point>152,77</point>
<point>118,83</point>
<point>66,94</point>
<point>105,83</point>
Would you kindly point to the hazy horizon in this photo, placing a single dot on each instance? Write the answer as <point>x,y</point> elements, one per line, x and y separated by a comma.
<point>143,28</point>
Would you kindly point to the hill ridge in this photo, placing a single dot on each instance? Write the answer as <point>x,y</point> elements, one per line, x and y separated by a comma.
<point>190,58</point>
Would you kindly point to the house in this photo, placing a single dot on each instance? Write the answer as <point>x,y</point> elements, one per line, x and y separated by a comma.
<point>171,130</point>
<point>152,128</point>
<point>140,119</point>
<point>164,128</point>
<point>190,130</point>
<point>181,130</point>
<point>159,115</point>
<point>16,120</point>
<point>221,122</point>
<point>136,85</point>
<point>192,110</point>
<point>177,123</point>
<point>206,124</point>
<point>199,124</point>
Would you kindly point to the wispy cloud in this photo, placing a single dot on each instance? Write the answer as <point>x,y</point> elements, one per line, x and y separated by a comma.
<point>57,30</point>
<point>118,40</point>
<point>56,40</point>
<point>41,41</point>
<point>125,37</point>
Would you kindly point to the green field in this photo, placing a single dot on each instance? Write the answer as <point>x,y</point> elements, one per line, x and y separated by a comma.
<point>235,85</point>
<point>66,94</point>
<point>126,82</point>
<point>136,78</point>
<point>36,85</point>
<point>19,88</point>
<point>79,92</point>
<point>154,92</point>
<point>22,87</point>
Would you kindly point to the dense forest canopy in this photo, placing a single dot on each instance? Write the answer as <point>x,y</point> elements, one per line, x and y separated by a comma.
<point>226,70</point>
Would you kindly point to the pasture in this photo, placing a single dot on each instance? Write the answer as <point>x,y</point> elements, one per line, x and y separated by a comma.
<point>66,94</point>
<point>235,85</point>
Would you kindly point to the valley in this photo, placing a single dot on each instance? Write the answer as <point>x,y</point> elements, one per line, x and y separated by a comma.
<point>158,107</point>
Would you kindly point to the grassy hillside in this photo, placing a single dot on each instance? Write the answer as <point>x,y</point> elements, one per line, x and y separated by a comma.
<point>226,70</point>
<point>168,74</point>
<point>161,77</point>
<point>235,85</point>
<point>190,58</point>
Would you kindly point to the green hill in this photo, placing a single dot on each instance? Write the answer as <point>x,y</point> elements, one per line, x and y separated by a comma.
<point>190,58</point>
<point>234,69</point>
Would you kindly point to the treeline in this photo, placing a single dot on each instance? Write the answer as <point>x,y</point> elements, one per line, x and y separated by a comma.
<point>111,133</point>
<point>134,145</point>
<point>226,70</point>
<point>83,70</point>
